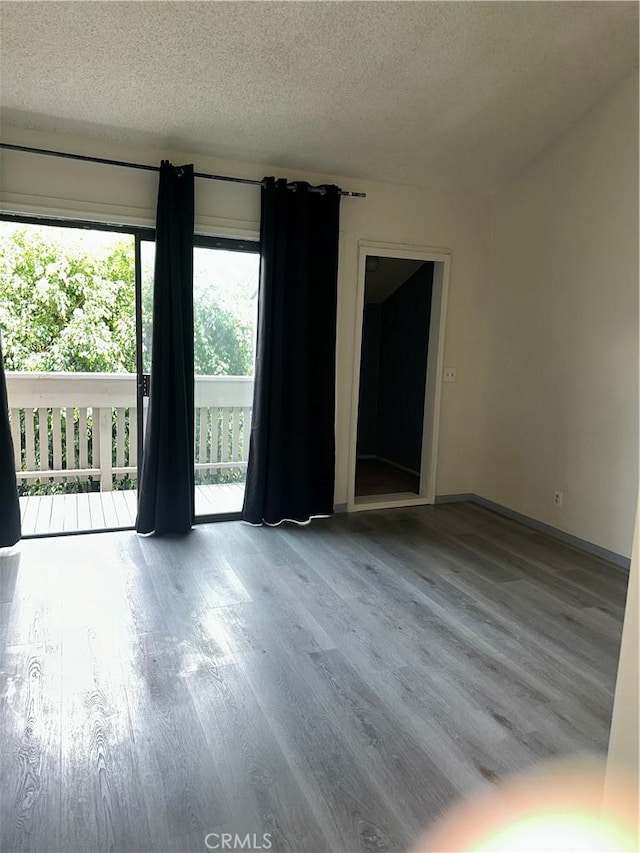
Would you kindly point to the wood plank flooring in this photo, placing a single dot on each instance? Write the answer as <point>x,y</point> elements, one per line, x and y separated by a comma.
<point>336,685</point>
<point>45,514</point>
<point>375,477</point>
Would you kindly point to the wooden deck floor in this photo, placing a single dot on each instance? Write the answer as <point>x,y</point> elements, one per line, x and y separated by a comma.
<point>107,510</point>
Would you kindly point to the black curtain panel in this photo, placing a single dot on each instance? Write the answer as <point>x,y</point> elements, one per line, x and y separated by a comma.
<point>290,473</point>
<point>166,495</point>
<point>9,504</point>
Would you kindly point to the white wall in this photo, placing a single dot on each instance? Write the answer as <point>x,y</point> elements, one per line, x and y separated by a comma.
<point>624,741</point>
<point>390,213</point>
<point>560,325</point>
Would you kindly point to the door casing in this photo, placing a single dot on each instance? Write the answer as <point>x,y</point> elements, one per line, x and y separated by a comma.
<point>433,384</point>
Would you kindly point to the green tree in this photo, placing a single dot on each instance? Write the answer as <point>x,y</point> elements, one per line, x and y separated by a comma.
<point>222,346</point>
<point>66,308</point>
<point>63,309</point>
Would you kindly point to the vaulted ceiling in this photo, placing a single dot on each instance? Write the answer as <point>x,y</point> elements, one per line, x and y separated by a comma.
<point>460,95</point>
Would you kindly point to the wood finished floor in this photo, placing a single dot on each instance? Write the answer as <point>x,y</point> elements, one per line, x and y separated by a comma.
<point>42,515</point>
<point>375,477</point>
<point>335,685</point>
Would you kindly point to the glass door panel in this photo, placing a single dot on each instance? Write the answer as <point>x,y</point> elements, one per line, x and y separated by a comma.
<point>146,262</point>
<point>67,312</point>
<point>225,319</point>
<point>225,291</point>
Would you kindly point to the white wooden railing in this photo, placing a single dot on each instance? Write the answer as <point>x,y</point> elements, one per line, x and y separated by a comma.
<point>84,425</point>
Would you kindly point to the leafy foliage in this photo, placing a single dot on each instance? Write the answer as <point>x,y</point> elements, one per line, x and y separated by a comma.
<point>66,308</point>
<point>222,345</point>
<point>63,309</point>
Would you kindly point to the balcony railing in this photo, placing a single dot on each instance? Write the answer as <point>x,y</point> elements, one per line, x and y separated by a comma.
<point>70,427</point>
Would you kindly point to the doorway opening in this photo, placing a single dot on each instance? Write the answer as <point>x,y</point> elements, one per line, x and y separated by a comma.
<point>401,306</point>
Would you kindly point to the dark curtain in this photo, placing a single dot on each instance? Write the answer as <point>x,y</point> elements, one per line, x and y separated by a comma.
<point>166,495</point>
<point>9,504</point>
<point>290,473</point>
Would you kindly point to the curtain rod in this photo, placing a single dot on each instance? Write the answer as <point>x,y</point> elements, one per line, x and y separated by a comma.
<point>144,167</point>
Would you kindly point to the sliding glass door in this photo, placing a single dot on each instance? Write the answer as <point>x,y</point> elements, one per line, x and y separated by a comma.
<point>68,321</point>
<point>225,291</point>
<point>76,305</point>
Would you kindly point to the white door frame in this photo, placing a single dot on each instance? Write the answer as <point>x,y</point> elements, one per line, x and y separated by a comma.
<point>433,385</point>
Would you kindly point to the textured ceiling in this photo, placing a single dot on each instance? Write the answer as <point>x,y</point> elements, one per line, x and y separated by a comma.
<point>454,94</point>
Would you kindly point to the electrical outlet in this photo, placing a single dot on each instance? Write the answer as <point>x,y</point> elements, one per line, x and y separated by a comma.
<point>449,374</point>
<point>557,498</point>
